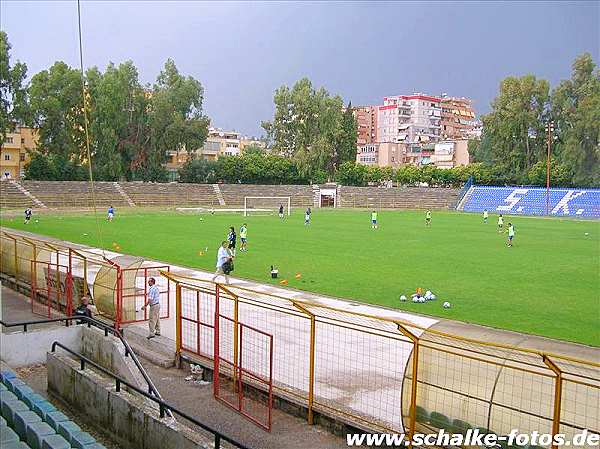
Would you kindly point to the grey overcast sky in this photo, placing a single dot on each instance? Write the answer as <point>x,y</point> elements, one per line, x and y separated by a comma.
<point>242,51</point>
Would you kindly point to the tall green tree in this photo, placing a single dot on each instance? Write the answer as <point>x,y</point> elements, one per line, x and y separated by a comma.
<point>176,121</point>
<point>118,120</point>
<point>514,129</point>
<point>346,146</point>
<point>13,92</point>
<point>56,103</point>
<point>576,111</point>
<point>308,127</point>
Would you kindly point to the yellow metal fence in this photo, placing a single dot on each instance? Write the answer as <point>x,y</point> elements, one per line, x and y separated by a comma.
<point>392,375</point>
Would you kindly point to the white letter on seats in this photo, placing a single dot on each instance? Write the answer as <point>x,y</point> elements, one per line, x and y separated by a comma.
<point>512,199</point>
<point>564,203</point>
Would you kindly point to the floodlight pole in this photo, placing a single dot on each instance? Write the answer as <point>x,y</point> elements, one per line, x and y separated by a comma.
<point>549,129</point>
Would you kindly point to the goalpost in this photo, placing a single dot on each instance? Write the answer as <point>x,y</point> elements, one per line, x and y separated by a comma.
<point>267,204</point>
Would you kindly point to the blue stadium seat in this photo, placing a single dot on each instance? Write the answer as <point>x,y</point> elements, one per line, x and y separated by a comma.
<point>36,433</point>
<point>22,390</point>
<point>81,440</point>
<point>10,408</point>
<point>43,408</point>
<point>574,202</point>
<point>23,419</point>
<point>55,442</point>
<point>7,435</point>
<point>32,398</point>
<point>6,374</point>
<point>54,418</point>
<point>67,429</point>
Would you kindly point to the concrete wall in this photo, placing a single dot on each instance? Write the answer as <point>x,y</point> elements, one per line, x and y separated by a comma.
<point>109,353</point>
<point>129,420</point>
<point>29,348</point>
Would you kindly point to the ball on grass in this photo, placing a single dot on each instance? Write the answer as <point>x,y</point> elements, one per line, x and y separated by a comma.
<point>446,305</point>
<point>402,298</point>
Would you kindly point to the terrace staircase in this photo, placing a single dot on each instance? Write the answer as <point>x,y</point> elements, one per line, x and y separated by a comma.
<point>219,194</point>
<point>27,193</point>
<point>316,195</point>
<point>465,198</point>
<point>124,194</point>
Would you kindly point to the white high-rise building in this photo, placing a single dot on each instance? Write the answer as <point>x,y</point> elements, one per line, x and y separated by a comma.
<point>409,119</point>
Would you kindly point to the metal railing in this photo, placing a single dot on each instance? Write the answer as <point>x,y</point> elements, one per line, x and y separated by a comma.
<point>99,324</point>
<point>164,407</point>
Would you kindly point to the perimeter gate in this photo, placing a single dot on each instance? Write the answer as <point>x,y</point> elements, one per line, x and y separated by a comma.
<point>242,355</point>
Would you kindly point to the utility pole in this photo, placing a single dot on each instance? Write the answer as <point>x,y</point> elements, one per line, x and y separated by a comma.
<point>549,131</point>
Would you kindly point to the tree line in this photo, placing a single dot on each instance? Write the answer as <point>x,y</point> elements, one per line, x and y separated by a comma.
<point>311,138</point>
<point>131,125</point>
<point>515,133</point>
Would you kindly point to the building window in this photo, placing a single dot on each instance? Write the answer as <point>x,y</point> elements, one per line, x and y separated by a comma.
<point>7,157</point>
<point>22,140</point>
<point>8,140</point>
<point>22,157</point>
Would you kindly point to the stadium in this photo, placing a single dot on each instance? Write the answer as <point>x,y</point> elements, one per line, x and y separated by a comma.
<point>399,272</point>
<point>298,344</point>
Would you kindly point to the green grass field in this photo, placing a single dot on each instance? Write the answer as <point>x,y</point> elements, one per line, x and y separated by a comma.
<point>547,284</point>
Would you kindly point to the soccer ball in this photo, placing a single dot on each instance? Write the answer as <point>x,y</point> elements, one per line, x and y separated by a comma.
<point>416,299</point>
<point>432,297</point>
<point>422,299</point>
<point>446,305</point>
<point>402,298</point>
<point>428,294</point>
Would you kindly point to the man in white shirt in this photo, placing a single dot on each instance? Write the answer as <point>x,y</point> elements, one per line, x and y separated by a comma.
<point>153,300</point>
<point>223,256</point>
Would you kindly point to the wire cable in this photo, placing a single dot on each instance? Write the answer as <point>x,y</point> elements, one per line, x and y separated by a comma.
<point>87,136</point>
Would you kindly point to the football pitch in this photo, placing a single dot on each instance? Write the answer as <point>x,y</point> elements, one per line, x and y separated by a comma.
<point>546,284</point>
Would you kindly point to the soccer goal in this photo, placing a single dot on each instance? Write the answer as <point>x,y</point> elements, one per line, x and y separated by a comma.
<point>266,205</point>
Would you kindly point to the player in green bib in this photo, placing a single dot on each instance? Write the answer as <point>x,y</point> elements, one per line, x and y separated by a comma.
<point>374,220</point>
<point>428,218</point>
<point>485,215</point>
<point>243,237</point>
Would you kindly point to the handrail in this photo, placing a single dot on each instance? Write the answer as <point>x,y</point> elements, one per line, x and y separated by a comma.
<point>163,406</point>
<point>107,328</point>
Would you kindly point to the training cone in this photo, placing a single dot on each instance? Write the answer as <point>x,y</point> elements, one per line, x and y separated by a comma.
<point>283,282</point>
<point>201,253</point>
<point>298,275</point>
<point>118,248</point>
<point>115,244</point>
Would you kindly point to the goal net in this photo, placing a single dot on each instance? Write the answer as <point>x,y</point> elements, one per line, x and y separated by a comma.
<point>266,205</point>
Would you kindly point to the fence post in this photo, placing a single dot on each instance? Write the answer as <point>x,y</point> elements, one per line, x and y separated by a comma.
<point>236,336</point>
<point>178,323</point>
<point>413,386</point>
<point>311,374</point>
<point>557,397</point>
<point>216,355</point>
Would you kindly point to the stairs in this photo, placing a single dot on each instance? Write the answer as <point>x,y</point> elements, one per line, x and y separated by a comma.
<point>27,193</point>
<point>158,350</point>
<point>219,194</point>
<point>124,194</point>
<point>466,196</point>
<point>316,195</point>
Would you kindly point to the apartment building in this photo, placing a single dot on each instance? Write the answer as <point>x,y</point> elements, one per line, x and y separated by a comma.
<point>366,121</point>
<point>14,152</point>
<point>218,143</point>
<point>409,119</point>
<point>449,154</point>
<point>458,117</point>
<point>382,154</point>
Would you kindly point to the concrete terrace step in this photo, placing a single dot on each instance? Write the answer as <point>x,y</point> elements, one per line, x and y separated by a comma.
<point>158,350</point>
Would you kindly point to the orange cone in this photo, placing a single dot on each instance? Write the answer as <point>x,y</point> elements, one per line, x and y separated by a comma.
<point>298,275</point>
<point>283,282</point>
